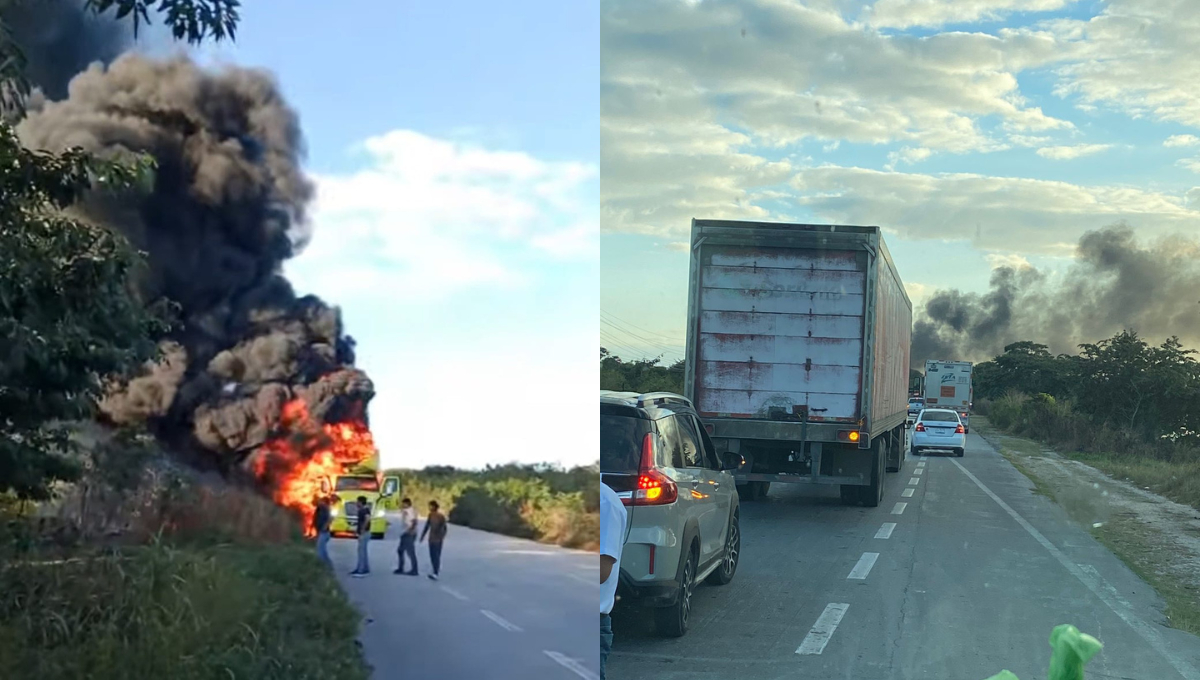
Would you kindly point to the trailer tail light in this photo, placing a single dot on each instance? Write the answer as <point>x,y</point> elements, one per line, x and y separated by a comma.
<point>920,427</point>
<point>654,487</point>
<point>852,436</point>
<point>960,429</point>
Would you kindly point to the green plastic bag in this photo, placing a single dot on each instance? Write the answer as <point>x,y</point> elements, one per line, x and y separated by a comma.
<point>1072,650</point>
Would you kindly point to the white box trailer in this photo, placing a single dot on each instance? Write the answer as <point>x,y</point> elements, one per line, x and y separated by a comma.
<point>798,345</point>
<point>948,385</point>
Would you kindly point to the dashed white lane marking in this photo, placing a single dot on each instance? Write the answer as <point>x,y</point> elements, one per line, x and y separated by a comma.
<point>913,481</point>
<point>921,464</point>
<point>886,530</point>
<point>918,471</point>
<point>501,621</point>
<point>822,630</point>
<point>907,493</point>
<point>899,508</point>
<point>863,567</point>
<point>571,665</point>
<point>455,593</point>
<point>1094,583</point>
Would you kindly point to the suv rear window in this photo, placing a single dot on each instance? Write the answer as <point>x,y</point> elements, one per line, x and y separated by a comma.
<point>621,443</point>
<point>940,416</point>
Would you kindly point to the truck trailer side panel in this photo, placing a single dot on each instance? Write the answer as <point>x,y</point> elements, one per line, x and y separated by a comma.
<point>893,342</point>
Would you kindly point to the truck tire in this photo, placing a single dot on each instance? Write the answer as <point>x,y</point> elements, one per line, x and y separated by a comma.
<point>673,621</point>
<point>873,493</point>
<point>850,495</point>
<point>894,445</point>
<point>763,488</point>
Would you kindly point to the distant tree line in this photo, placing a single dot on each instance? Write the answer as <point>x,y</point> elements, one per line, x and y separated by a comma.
<point>639,375</point>
<point>1122,383</point>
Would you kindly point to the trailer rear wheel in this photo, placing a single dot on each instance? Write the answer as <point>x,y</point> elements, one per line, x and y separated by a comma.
<point>873,493</point>
<point>850,495</point>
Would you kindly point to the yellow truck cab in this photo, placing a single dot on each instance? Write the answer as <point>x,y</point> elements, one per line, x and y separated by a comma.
<point>382,494</point>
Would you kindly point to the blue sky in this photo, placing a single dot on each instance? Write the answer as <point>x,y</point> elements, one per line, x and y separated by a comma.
<point>455,149</point>
<point>977,133</point>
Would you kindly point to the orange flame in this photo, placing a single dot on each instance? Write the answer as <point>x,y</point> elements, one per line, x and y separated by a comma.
<point>294,465</point>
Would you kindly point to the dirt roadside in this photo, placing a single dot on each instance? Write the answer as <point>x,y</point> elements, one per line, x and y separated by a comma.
<point>1156,537</point>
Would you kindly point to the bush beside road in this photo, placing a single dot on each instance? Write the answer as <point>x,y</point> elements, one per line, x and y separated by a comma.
<point>185,581</point>
<point>539,502</point>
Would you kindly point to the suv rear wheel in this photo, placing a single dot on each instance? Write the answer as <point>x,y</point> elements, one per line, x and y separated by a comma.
<point>673,621</point>
<point>733,550</point>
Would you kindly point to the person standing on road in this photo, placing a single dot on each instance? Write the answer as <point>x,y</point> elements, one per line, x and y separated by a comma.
<point>364,538</point>
<point>612,540</point>
<point>408,536</point>
<point>321,520</point>
<point>435,528</point>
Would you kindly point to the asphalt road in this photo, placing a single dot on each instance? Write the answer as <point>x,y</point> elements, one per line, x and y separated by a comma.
<point>974,574</point>
<point>503,608</point>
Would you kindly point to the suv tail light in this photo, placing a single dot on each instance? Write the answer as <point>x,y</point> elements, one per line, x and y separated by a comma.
<point>654,487</point>
<point>960,429</point>
<point>920,427</point>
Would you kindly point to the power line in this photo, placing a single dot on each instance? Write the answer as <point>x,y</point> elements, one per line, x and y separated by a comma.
<point>641,339</point>
<point>627,323</point>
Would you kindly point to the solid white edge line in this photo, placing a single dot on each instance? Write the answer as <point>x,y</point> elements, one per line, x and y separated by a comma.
<point>571,665</point>
<point>822,630</point>
<point>899,508</point>
<point>863,567</point>
<point>501,621</point>
<point>1094,583</point>
<point>907,493</point>
<point>455,593</point>
<point>886,530</point>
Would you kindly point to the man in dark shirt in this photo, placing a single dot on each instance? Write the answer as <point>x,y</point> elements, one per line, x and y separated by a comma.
<point>364,537</point>
<point>435,528</point>
<point>321,520</point>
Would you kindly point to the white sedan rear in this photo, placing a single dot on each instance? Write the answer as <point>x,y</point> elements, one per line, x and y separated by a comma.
<point>939,428</point>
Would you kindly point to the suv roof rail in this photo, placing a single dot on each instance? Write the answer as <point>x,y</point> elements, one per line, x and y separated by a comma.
<point>653,398</point>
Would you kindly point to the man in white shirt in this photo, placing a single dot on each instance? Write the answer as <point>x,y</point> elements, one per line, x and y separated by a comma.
<point>612,540</point>
<point>408,537</point>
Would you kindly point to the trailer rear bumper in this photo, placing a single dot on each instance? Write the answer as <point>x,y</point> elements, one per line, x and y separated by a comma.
<point>744,477</point>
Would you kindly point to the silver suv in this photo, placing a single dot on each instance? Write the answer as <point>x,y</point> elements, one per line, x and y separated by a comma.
<point>681,499</point>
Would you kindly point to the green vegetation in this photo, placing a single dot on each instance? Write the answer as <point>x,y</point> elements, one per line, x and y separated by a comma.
<point>1123,406</point>
<point>176,579</point>
<point>539,502</point>
<point>642,375</point>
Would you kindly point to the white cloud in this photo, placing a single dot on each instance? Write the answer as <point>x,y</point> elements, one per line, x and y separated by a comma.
<point>1136,57</point>
<point>1192,164</point>
<point>1060,153</point>
<point>694,98</point>
<point>1181,140</point>
<point>999,214</point>
<point>426,218</point>
<point>997,260</point>
<point>911,13</point>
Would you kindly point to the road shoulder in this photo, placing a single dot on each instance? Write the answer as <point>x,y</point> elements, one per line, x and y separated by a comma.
<point>1158,539</point>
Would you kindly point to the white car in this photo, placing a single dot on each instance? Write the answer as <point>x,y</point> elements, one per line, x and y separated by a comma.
<point>939,428</point>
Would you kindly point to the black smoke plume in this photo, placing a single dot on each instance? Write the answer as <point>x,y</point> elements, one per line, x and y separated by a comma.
<point>227,208</point>
<point>1115,283</point>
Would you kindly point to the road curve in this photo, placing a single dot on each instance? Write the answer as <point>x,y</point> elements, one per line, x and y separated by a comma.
<point>968,577</point>
<point>505,608</point>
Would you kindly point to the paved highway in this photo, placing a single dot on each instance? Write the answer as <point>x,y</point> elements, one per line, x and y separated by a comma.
<point>962,571</point>
<point>504,608</point>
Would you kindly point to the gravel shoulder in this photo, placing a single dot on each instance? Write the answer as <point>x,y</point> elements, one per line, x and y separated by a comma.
<point>1156,537</point>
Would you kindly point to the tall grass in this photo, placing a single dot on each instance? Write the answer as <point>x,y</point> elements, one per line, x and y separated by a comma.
<point>1168,467</point>
<point>181,580</point>
<point>536,502</point>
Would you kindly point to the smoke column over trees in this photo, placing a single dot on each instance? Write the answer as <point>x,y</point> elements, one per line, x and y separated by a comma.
<point>1116,282</point>
<point>226,209</point>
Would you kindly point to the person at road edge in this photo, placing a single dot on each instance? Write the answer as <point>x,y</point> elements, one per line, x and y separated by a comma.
<point>321,520</point>
<point>364,537</point>
<point>435,528</point>
<point>612,540</point>
<point>408,537</point>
